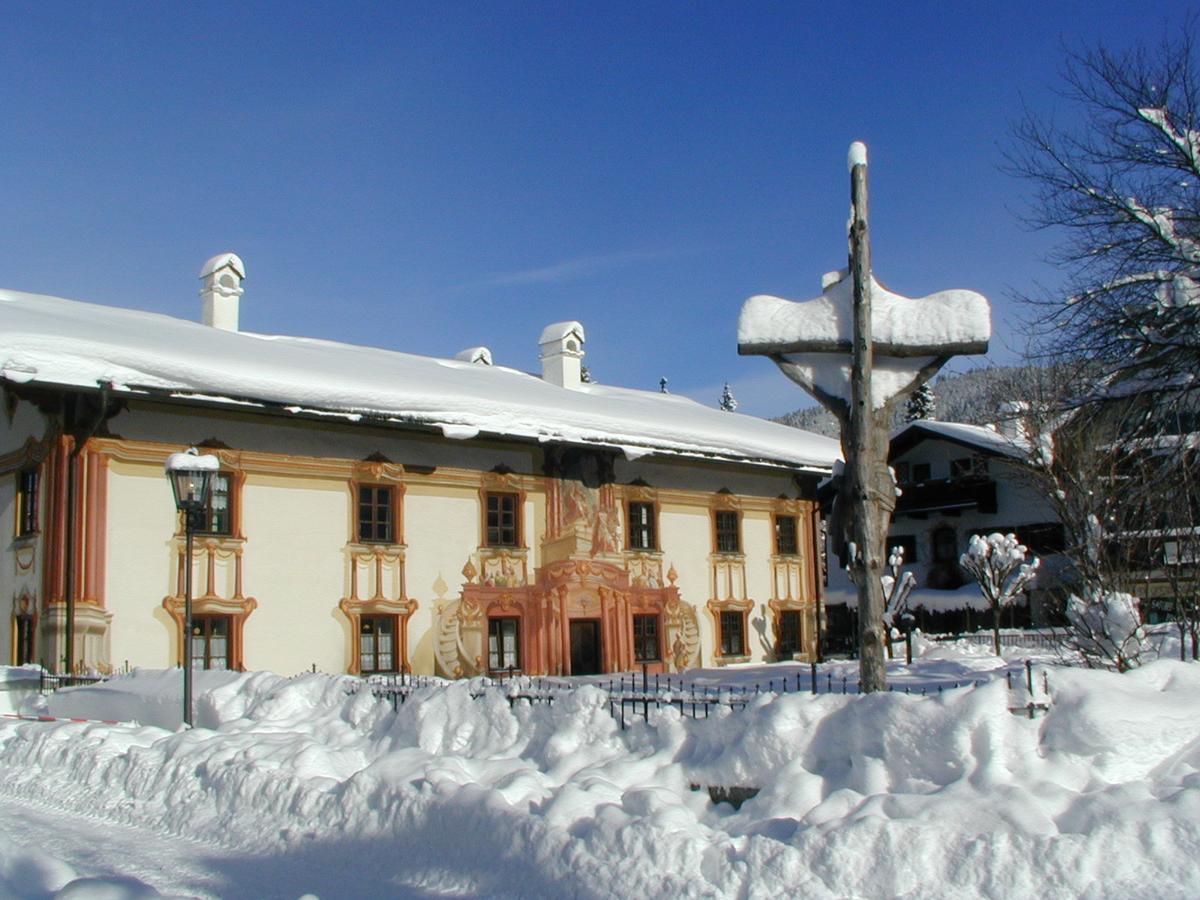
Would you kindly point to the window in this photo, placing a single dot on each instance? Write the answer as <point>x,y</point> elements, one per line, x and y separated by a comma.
<point>375,518</point>
<point>219,513</point>
<point>27,502</point>
<point>1042,538</point>
<point>377,644</point>
<point>645,638</point>
<point>945,546</point>
<point>903,472</point>
<point>503,524</point>
<point>729,539</point>
<point>25,642</point>
<point>733,633</point>
<point>210,642</point>
<point>921,472</point>
<point>908,542</point>
<point>789,633</point>
<point>968,467</point>
<point>641,527</point>
<point>504,645</point>
<point>786,543</point>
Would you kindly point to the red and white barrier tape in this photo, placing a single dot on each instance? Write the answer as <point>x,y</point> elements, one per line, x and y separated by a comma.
<point>56,719</point>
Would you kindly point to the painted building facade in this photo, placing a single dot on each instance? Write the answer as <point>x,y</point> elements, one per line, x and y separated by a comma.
<point>473,519</point>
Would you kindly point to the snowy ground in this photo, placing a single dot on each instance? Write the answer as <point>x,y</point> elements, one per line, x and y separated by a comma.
<point>293,786</point>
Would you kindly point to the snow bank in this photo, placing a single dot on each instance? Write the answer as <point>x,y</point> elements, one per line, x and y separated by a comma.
<point>884,795</point>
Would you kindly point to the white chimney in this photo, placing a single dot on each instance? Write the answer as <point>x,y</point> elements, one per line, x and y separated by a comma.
<point>221,290</point>
<point>1013,422</point>
<point>562,354</point>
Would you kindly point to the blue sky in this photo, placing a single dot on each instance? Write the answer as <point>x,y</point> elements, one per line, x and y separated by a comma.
<point>428,177</point>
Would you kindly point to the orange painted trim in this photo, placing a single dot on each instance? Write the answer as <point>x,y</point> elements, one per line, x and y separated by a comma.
<point>237,611</point>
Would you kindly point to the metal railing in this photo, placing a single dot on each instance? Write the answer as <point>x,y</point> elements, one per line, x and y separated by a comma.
<point>631,695</point>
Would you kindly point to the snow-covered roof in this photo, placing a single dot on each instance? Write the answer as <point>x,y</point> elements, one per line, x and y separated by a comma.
<point>54,341</point>
<point>979,436</point>
<point>478,355</point>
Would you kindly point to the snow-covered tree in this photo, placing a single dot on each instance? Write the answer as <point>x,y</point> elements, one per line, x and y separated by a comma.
<point>997,563</point>
<point>727,402</point>
<point>1122,188</point>
<point>921,405</point>
<point>662,386</point>
<point>585,375</point>
<point>897,585</point>
<point>1106,629</point>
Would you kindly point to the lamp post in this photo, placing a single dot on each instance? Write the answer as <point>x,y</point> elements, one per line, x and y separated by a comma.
<point>191,477</point>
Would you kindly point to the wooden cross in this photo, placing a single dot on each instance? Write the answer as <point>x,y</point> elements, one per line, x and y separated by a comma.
<point>858,348</point>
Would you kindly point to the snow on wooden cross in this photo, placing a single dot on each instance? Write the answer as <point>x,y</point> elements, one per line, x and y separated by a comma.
<point>812,341</point>
<point>908,339</point>
<point>857,349</point>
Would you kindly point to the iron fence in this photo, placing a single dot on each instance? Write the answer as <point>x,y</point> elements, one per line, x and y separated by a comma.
<point>632,696</point>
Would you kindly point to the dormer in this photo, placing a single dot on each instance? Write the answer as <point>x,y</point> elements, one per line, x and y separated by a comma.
<point>479,356</point>
<point>562,354</point>
<point>221,290</point>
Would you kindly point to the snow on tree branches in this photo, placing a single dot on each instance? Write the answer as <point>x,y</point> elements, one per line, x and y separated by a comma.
<point>897,585</point>
<point>921,405</point>
<point>997,563</point>
<point>1106,630</point>
<point>728,403</point>
<point>1123,191</point>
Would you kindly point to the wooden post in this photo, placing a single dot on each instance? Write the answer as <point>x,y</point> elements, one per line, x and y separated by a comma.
<point>865,450</point>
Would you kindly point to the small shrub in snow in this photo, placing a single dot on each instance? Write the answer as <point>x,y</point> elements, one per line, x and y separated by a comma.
<point>1106,629</point>
<point>998,563</point>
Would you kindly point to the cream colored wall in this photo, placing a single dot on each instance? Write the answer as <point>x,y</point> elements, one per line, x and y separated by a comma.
<point>686,539</point>
<point>441,528</point>
<point>287,520</point>
<point>140,567</point>
<point>757,545</point>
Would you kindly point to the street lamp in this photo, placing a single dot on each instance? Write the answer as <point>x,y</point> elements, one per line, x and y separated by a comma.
<point>191,477</point>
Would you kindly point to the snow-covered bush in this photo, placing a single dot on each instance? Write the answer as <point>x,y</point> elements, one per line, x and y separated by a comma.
<point>1106,629</point>
<point>998,563</point>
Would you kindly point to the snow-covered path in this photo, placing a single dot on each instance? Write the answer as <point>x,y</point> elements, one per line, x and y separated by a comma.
<point>44,849</point>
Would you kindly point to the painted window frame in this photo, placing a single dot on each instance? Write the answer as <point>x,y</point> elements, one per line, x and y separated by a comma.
<point>497,651</point>
<point>780,549</point>
<point>726,632</point>
<point>785,631</point>
<point>203,660</point>
<point>641,536</point>
<point>642,642</point>
<point>28,490</point>
<point>391,504</point>
<point>719,515</point>
<point>493,535</point>
<point>374,620</point>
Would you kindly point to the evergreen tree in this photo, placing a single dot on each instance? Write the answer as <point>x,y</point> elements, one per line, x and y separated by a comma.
<point>727,402</point>
<point>921,405</point>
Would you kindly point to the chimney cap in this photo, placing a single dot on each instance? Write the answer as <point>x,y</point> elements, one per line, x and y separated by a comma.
<point>221,261</point>
<point>560,331</point>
